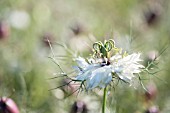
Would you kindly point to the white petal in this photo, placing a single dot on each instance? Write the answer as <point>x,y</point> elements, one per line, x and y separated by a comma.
<point>133,58</point>
<point>126,76</point>
<point>83,76</point>
<point>81,62</point>
<point>128,66</point>
<point>107,79</point>
<point>99,77</point>
<point>92,67</point>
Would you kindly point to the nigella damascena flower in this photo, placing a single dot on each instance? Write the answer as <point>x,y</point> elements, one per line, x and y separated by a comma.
<point>107,64</point>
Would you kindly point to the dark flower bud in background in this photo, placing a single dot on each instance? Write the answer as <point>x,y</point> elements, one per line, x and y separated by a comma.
<point>7,105</point>
<point>151,17</point>
<point>79,107</point>
<point>153,13</point>
<point>152,55</point>
<point>70,88</point>
<point>46,38</point>
<point>153,109</point>
<point>151,92</point>
<point>4,30</point>
<point>78,28</point>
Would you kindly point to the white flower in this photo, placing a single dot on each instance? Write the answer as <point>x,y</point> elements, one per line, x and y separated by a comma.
<point>99,74</point>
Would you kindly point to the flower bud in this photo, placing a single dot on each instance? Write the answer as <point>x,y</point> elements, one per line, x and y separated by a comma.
<point>79,107</point>
<point>7,105</point>
<point>4,30</point>
<point>151,17</point>
<point>153,109</point>
<point>151,92</point>
<point>152,55</point>
<point>78,28</point>
<point>153,13</point>
<point>47,38</point>
<point>70,88</point>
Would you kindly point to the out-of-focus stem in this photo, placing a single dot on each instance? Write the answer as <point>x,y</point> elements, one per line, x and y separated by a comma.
<point>104,100</point>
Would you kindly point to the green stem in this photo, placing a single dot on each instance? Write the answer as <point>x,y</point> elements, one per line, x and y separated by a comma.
<point>104,100</point>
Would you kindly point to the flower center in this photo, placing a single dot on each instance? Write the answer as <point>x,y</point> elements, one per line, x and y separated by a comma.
<point>105,62</point>
<point>102,50</point>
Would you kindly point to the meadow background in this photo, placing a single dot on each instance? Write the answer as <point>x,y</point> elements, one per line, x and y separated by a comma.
<point>25,67</point>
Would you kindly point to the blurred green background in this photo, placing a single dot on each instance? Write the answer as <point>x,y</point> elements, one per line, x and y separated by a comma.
<point>136,25</point>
